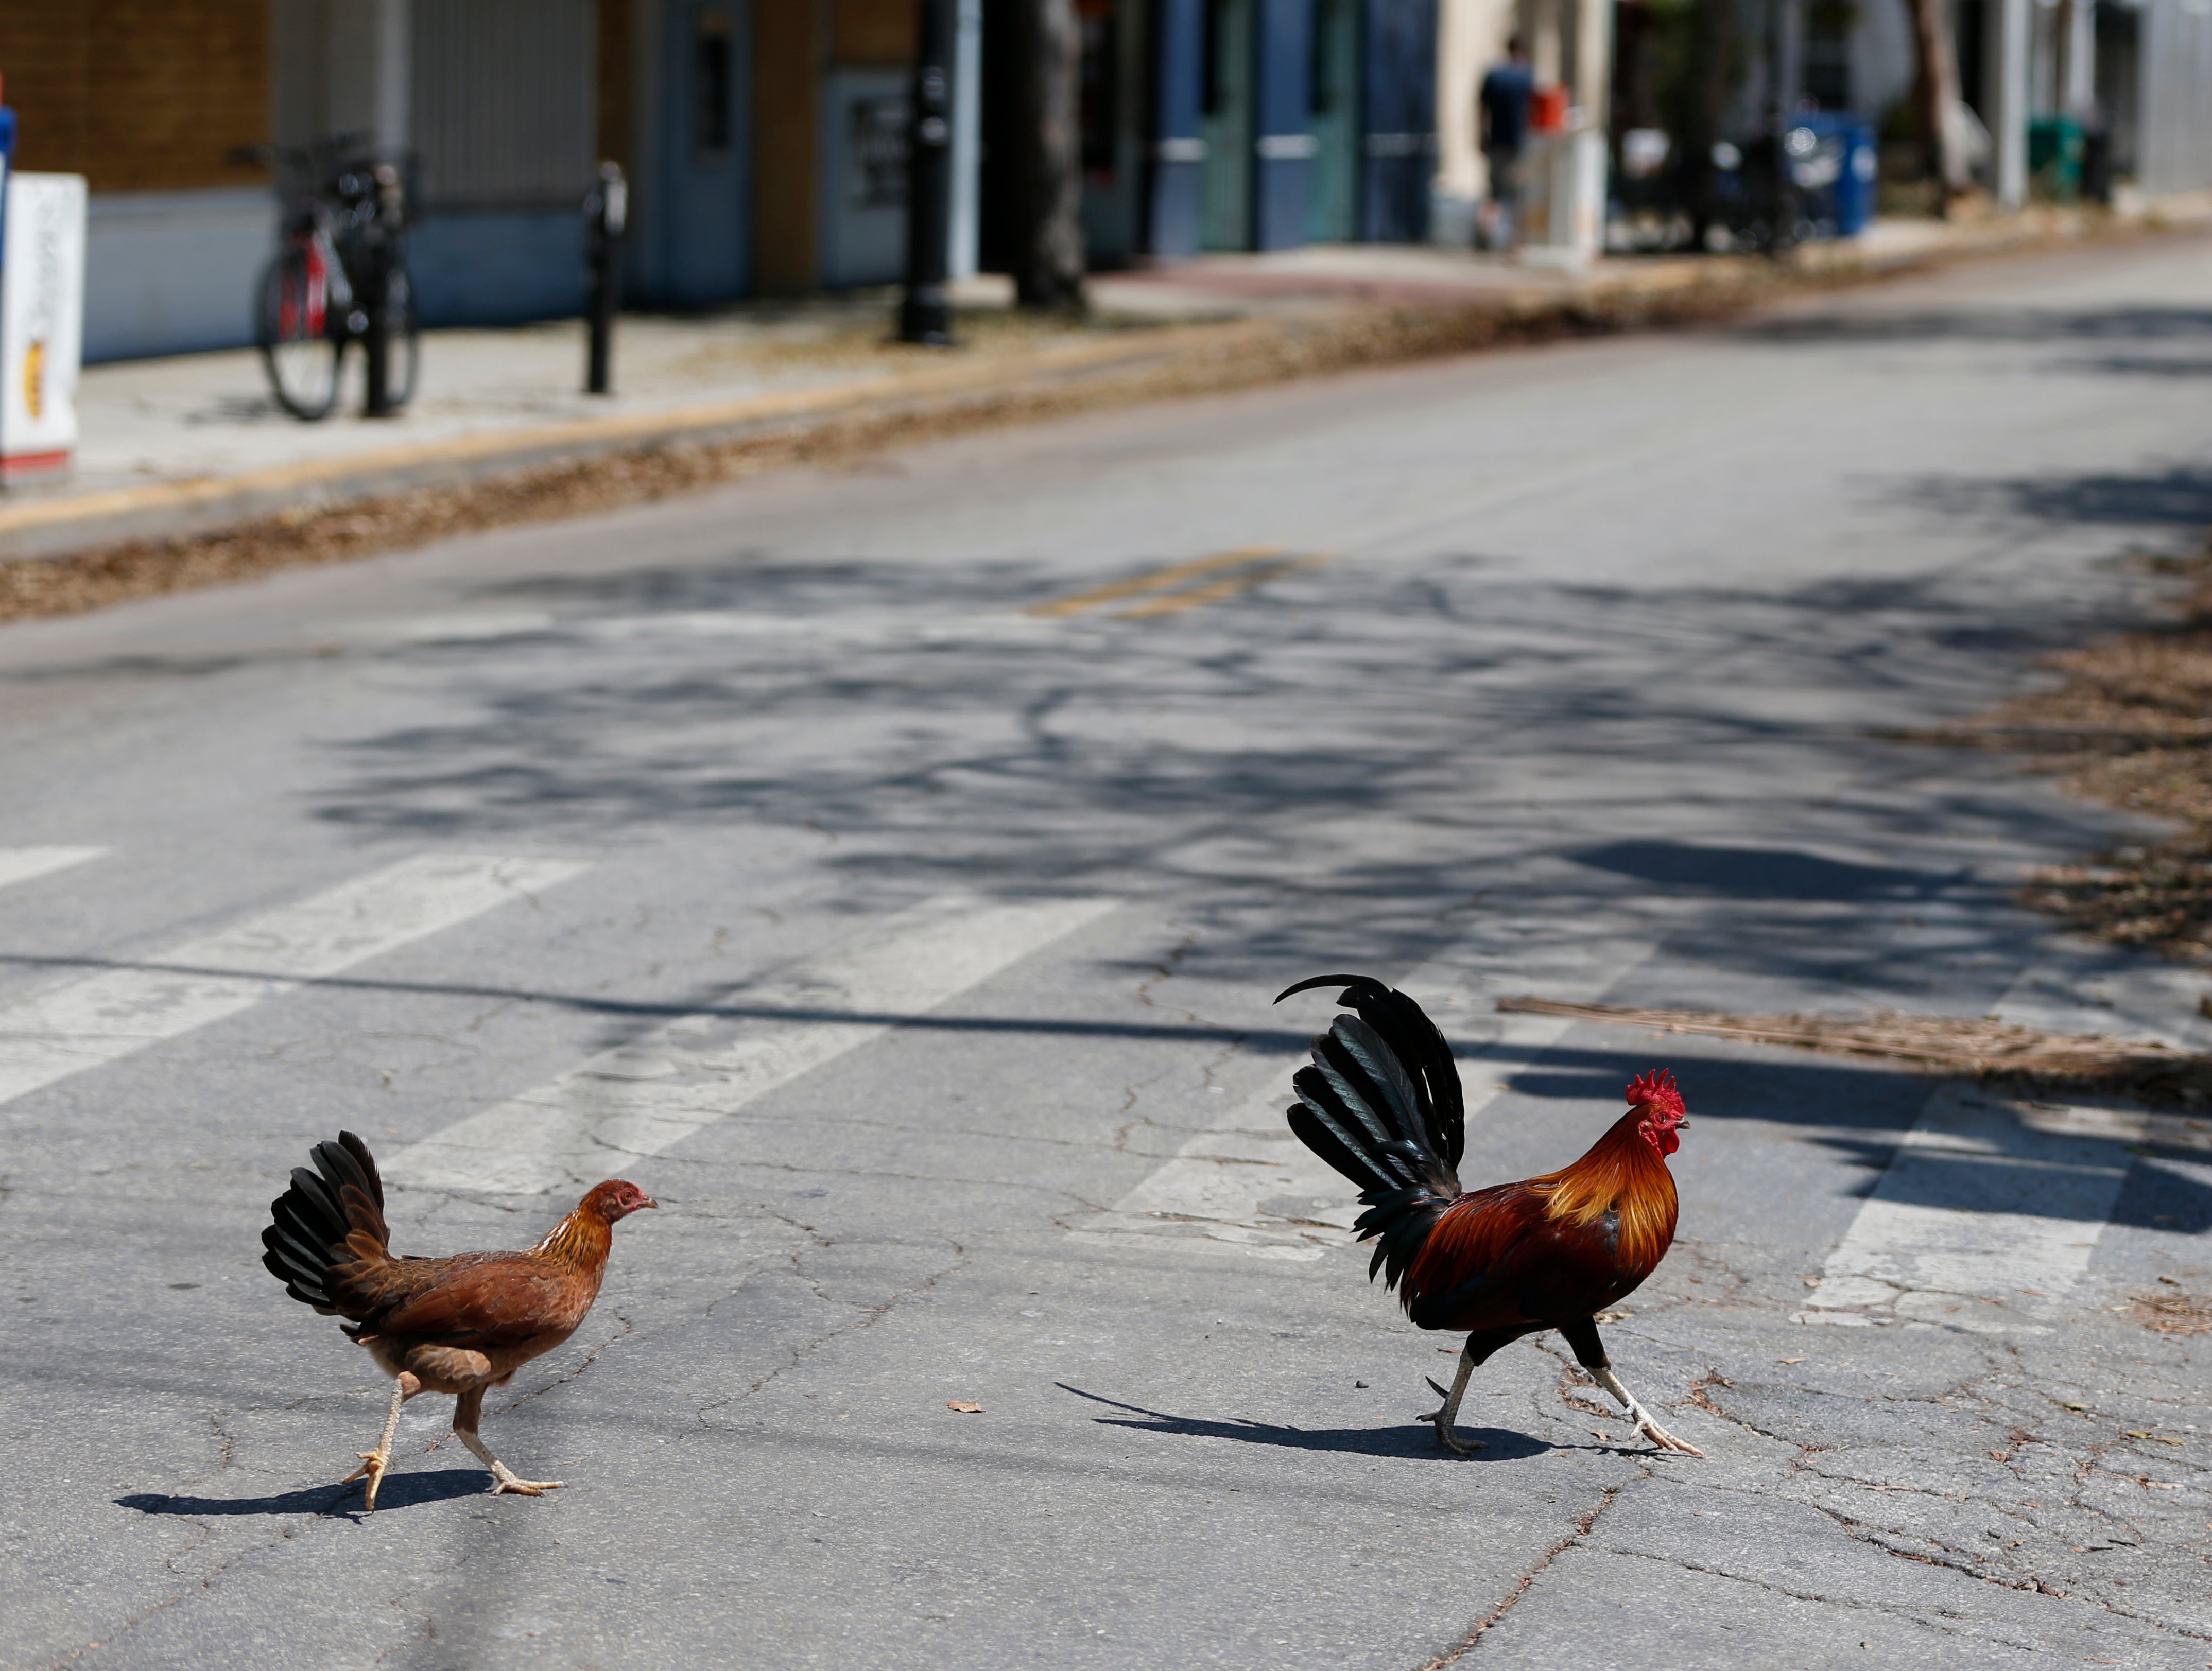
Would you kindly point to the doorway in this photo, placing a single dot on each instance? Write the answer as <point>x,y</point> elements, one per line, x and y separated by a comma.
<point>704,213</point>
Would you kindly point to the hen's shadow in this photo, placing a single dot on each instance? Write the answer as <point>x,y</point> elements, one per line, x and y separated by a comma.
<point>1416,1443</point>
<point>399,1491</point>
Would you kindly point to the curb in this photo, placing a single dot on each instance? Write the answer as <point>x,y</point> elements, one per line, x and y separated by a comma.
<point>1678,287</point>
<point>61,526</point>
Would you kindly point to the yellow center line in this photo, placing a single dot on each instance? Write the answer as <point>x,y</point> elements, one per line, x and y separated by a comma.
<point>1156,580</point>
<point>1175,603</point>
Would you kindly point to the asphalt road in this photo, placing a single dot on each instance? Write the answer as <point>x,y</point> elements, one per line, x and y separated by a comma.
<point>890,870</point>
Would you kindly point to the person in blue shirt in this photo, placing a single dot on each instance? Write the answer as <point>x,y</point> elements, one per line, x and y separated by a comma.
<point>1502,119</point>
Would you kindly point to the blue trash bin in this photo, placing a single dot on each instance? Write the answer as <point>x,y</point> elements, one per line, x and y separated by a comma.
<point>1833,163</point>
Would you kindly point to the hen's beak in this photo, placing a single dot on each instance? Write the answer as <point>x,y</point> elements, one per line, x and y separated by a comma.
<point>648,1201</point>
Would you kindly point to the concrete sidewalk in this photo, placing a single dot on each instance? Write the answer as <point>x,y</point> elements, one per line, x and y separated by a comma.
<point>194,443</point>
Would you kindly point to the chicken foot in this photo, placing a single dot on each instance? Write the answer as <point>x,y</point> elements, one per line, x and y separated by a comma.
<point>1581,1333</point>
<point>465,1414</point>
<point>1444,1417</point>
<point>373,1462</point>
<point>1637,1414</point>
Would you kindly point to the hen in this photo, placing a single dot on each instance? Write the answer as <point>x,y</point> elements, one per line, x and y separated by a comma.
<point>456,1325</point>
<point>1382,1104</point>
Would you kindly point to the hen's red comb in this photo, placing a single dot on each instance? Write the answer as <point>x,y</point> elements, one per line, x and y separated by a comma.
<point>1655,1089</point>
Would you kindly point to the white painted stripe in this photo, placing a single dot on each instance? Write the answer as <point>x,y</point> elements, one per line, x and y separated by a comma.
<point>1248,1187</point>
<point>640,1100</point>
<point>105,1017</point>
<point>1990,1212</point>
<point>1975,1207</point>
<point>22,864</point>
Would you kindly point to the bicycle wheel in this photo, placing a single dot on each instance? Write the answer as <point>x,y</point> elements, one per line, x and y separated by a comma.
<point>406,337</point>
<point>292,328</point>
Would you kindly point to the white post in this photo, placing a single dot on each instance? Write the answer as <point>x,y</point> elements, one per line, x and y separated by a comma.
<point>2004,73</point>
<point>370,55</point>
<point>395,62</point>
<point>967,139</point>
<point>1593,66</point>
<point>2077,93</point>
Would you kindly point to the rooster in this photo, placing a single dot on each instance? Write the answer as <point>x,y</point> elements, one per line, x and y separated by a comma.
<point>457,1325</point>
<point>1382,1104</point>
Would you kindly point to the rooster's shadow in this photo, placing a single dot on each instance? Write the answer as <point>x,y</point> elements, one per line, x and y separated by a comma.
<point>399,1491</point>
<point>1414,1443</point>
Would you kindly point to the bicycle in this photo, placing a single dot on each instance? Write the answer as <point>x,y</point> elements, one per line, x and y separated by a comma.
<point>342,247</point>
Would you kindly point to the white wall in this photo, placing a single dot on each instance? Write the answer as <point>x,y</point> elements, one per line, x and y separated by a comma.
<point>1470,38</point>
<point>172,273</point>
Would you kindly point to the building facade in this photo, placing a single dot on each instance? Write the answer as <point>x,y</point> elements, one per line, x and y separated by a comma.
<point>765,139</point>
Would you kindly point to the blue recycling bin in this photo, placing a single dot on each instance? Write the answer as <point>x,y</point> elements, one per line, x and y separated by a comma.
<point>1833,163</point>
<point>7,156</point>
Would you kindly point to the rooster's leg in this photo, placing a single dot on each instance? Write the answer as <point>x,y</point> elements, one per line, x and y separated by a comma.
<point>1444,1417</point>
<point>467,1409</point>
<point>373,1462</point>
<point>1637,1414</point>
<point>1589,1353</point>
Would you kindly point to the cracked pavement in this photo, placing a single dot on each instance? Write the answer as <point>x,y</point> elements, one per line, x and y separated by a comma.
<point>1586,694</point>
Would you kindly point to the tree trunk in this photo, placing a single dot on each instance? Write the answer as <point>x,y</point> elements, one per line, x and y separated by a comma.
<point>1047,252</point>
<point>1934,92</point>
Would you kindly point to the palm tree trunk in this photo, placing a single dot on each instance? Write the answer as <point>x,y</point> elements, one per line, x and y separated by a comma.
<point>1934,92</point>
<point>1048,251</point>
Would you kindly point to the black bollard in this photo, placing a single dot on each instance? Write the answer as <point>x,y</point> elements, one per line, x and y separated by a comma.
<point>926,311</point>
<point>375,299</point>
<point>605,212</point>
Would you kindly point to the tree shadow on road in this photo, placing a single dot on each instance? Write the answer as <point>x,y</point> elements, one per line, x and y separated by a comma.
<point>1415,1443</point>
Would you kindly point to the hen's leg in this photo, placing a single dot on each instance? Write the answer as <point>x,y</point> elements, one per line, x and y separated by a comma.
<point>1589,1351</point>
<point>467,1410</point>
<point>1444,1417</point>
<point>373,1462</point>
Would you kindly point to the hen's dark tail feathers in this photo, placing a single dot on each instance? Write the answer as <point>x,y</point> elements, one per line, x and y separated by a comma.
<point>1382,1104</point>
<point>331,1216</point>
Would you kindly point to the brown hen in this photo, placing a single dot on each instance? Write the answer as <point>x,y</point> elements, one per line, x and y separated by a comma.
<point>457,1325</point>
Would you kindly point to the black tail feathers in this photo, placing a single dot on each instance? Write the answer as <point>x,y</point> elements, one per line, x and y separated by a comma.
<point>1382,1104</point>
<point>313,1219</point>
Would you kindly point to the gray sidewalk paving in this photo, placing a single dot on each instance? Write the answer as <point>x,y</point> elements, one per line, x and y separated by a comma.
<point>194,442</point>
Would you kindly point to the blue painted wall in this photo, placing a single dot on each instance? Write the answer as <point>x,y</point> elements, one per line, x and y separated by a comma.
<point>1283,144</point>
<point>1399,112</point>
<point>498,266</point>
<point>1173,145</point>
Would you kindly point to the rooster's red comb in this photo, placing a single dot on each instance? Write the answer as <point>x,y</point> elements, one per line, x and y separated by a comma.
<point>1655,1089</point>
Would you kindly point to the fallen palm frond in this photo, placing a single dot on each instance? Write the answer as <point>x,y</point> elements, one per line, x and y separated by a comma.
<point>2173,1314</point>
<point>1934,1044</point>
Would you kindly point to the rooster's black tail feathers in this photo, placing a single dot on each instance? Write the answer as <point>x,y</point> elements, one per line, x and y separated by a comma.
<point>1382,1104</point>
<point>317,1220</point>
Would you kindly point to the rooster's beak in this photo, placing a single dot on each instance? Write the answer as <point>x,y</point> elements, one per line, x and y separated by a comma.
<point>1681,1125</point>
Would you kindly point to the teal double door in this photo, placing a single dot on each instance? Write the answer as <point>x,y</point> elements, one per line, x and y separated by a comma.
<point>1227,63</point>
<point>1280,117</point>
<point>1333,201</point>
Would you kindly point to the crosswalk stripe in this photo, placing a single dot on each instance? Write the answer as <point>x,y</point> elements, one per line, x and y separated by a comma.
<point>1248,1187</point>
<point>1989,1213</point>
<point>1974,1207</point>
<point>103,1017</point>
<point>642,1098</point>
<point>24,864</point>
